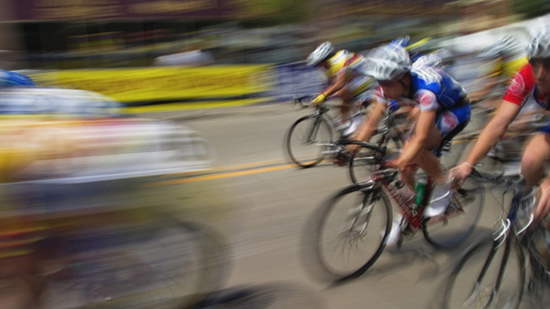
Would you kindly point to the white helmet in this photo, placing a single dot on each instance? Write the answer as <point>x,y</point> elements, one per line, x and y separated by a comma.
<point>539,47</point>
<point>507,47</point>
<point>429,60</point>
<point>387,63</point>
<point>321,53</point>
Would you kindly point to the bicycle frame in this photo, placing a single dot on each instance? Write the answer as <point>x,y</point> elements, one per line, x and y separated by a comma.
<point>383,179</point>
<point>336,147</point>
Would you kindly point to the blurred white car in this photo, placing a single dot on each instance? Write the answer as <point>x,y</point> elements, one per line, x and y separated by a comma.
<point>82,136</point>
<point>57,103</point>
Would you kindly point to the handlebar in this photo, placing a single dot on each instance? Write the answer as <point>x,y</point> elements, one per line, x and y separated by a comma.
<point>380,150</point>
<point>304,100</point>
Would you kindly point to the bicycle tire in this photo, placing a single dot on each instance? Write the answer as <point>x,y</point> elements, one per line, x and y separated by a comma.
<point>460,219</point>
<point>313,129</point>
<point>359,167</point>
<point>181,278</point>
<point>487,253</point>
<point>315,261</point>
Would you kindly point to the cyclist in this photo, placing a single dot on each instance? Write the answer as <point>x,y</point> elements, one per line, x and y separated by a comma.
<point>346,80</point>
<point>444,111</point>
<point>506,58</point>
<point>530,84</point>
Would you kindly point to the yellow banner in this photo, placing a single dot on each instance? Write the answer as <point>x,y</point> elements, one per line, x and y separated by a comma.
<point>163,83</point>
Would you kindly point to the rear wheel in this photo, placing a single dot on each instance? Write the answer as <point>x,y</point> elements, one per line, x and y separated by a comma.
<point>459,221</point>
<point>360,165</point>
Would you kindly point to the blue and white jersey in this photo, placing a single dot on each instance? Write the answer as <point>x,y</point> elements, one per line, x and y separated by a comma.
<point>433,89</point>
<point>13,79</point>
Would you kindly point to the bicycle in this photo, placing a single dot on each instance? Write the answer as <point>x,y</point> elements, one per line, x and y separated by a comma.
<point>367,206</point>
<point>512,244</point>
<point>107,252</point>
<point>314,135</point>
<point>507,153</point>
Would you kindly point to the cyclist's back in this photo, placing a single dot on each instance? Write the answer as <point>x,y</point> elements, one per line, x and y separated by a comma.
<point>448,92</point>
<point>343,59</point>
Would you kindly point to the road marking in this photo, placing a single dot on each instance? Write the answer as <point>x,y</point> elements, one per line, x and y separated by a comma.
<point>256,170</point>
<point>230,167</point>
<point>225,175</point>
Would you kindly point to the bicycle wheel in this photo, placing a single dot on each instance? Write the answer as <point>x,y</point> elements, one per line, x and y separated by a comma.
<point>347,234</point>
<point>308,140</point>
<point>453,156</point>
<point>359,166</point>
<point>162,264</point>
<point>489,275</point>
<point>459,221</point>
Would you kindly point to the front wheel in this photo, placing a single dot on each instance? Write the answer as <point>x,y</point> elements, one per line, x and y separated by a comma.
<point>346,235</point>
<point>308,140</point>
<point>453,228</point>
<point>489,275</point>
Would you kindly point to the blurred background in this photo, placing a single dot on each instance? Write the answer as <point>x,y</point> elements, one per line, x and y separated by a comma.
<point>67,35</point>
<point>135,94</point>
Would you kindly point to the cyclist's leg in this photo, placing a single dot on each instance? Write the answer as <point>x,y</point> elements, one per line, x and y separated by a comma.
<point>449,123</point>
<point>536,154</point>
<point>344,95</point>
<point>429,163</point>
<point>425,158</point>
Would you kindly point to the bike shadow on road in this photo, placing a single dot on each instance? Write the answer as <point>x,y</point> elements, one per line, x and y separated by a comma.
<point>277,295</point>
<point>417,255</point>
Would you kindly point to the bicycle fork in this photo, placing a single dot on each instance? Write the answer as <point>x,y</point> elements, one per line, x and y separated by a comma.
<point>311,137</point>
<point>330,148</point>
<point>359,216</point>
<point>477,290</point>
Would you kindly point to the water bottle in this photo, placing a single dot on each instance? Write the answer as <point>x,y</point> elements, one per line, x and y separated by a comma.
<point>419,189</point>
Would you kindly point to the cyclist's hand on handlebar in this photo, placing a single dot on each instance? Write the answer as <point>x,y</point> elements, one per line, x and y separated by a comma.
<point>352,149</point>
<point>318,99</point>
<point>460,172</point>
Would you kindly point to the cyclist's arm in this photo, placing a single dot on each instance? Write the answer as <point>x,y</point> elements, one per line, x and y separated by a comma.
<point>492,132</point>
<point>417,142</point>
<point>368,127</point>
<point>339,83</point>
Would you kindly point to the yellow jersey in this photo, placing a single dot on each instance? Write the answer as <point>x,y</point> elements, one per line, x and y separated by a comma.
<point>507,69</point>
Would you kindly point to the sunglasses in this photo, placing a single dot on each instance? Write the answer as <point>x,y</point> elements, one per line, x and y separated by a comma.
<point>545,62</point>
<point>385,82</point>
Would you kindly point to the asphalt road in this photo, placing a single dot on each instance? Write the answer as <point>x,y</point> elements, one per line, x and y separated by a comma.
<point>260,203</point>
